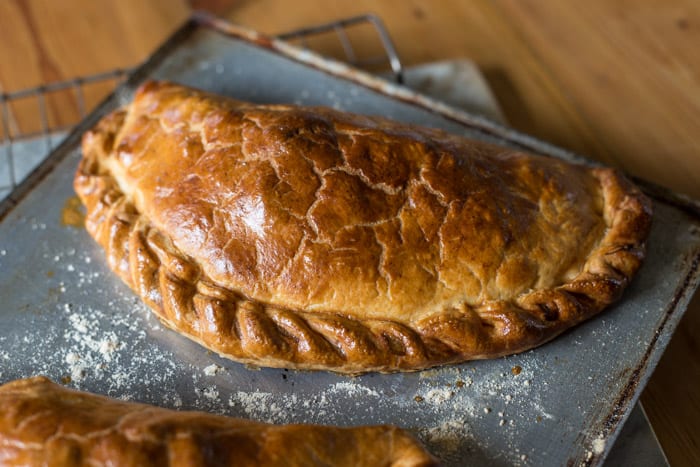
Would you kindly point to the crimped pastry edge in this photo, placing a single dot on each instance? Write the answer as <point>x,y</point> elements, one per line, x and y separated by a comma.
<point>256,333</point>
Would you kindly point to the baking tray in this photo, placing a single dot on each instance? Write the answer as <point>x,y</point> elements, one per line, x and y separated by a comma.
<point>65,315</point>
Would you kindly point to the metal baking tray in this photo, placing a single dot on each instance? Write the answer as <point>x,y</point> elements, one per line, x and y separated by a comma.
<point>65,315</point>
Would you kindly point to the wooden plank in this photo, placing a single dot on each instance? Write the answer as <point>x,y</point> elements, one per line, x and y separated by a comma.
<point>632,70</point>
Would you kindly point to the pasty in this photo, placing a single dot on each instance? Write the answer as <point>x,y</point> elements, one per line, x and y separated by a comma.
<point>42,423</point>
<point>311,238</point>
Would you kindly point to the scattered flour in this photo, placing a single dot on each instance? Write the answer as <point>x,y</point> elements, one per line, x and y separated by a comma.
<point>598,445</point>
<point>438,396</point>
<point>213,369</point>
<point>265,406</point>
<point>250,401</point>
<point>351,389</point>
<point>447,438</point>
<point>210,393</point>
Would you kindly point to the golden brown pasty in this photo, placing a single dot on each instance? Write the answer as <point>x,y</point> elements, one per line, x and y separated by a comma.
<point>42,423</point>
<point>311,238</point>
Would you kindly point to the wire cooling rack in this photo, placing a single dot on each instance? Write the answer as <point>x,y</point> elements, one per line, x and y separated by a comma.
<point>34,120</point>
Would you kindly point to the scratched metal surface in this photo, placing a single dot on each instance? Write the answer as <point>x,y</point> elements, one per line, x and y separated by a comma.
<point>63,314</point>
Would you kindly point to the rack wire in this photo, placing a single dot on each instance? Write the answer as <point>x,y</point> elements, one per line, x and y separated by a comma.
<point>341,28</point>
<point>34,120</point>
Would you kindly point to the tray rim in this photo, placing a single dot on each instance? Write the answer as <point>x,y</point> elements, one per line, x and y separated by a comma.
<point>611,424</point>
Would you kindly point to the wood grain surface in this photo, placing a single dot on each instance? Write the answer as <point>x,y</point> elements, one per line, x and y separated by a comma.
<point>617,81</point>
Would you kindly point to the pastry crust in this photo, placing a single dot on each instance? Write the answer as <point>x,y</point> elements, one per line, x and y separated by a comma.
<point>311,238</point>
<point>42,423</point>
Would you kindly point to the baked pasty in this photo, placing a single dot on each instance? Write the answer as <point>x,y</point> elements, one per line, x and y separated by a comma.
<point>311,238</point>
<point>42,423</point>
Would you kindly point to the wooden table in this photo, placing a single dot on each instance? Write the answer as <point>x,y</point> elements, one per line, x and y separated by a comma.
<point>617,81</point>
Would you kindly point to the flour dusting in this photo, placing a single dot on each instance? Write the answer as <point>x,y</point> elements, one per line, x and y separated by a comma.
<point>97,336</point>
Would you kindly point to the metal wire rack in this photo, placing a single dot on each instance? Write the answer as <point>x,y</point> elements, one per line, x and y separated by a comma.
<point>340,28</point>
<point>34,120</point>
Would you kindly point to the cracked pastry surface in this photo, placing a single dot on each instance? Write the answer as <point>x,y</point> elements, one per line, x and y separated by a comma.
<point>311,238</point>
<point>42,423</point>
